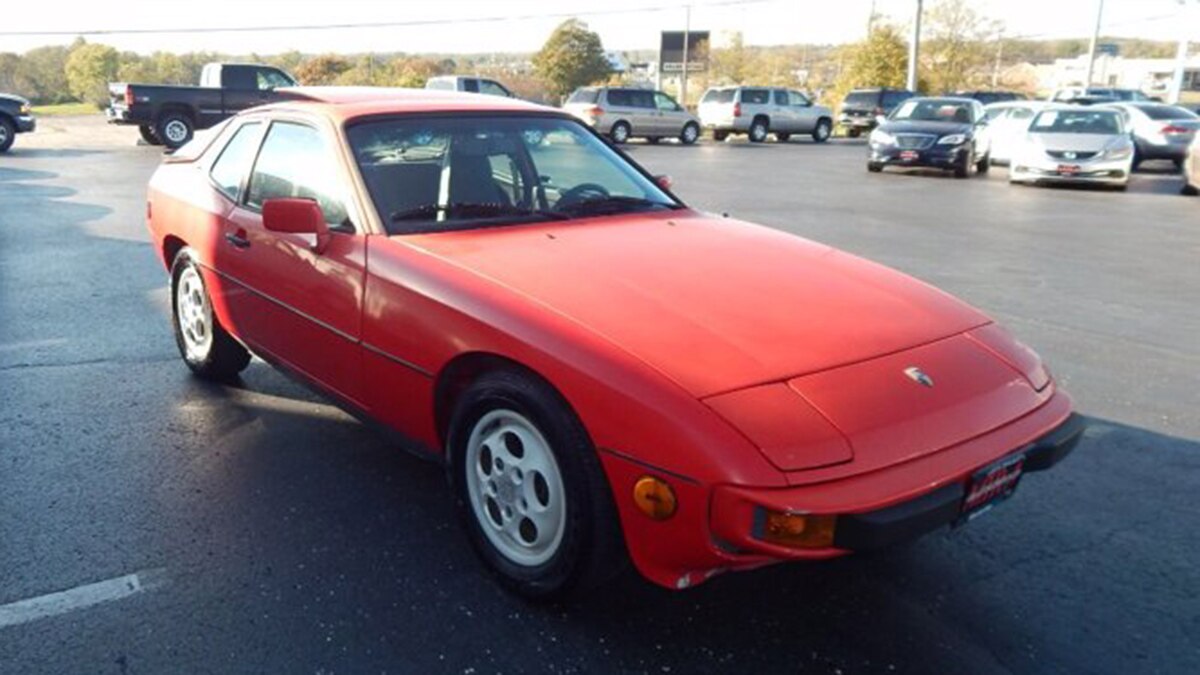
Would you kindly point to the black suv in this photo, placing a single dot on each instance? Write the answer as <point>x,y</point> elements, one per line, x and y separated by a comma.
<point>15,118</point>
<point>862,106</point>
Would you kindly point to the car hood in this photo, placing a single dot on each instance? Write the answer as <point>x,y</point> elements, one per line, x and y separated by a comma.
<point>14,98</point>
<point>1072,142</point>
<point>939,128</point>
<point>714,304</point>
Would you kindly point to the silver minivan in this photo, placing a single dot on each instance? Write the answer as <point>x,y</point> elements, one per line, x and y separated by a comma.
<point>758,111</point>
<point>623,113</point>
<point>475,85</point>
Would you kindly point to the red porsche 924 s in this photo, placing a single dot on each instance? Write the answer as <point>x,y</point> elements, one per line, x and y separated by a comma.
<point>607,374</point>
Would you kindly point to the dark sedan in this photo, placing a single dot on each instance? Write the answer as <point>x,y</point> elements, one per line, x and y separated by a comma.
<point>941,133</point>
<point>15,118</point>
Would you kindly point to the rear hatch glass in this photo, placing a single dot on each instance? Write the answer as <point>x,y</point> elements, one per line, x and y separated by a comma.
<point>584,96</point>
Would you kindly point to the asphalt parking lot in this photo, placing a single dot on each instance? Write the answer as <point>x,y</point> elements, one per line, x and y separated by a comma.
<point>270,532</point>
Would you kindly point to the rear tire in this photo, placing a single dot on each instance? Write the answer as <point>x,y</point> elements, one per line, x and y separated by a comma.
<point>874,167</point>
<point>148,135</point>
<point>983,164</point>
<point>719,136</point>
<point>619,133</point>
<point>653,140</point>
<point>690,133</point>
<point>8,134</point>
<point>1189,190</point>
<point>782,138</point>
<point>174,129</point>
<point>759,129</point>
<point>207,349</point>
<point>822,131</point>
<point>854,132</point>
<point>527,483</point>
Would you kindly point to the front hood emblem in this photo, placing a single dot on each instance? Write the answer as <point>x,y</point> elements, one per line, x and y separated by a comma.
<point>917,375</point>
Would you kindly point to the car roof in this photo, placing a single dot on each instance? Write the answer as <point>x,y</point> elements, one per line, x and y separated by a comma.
<point>346,103</point>
<point>956,99</point>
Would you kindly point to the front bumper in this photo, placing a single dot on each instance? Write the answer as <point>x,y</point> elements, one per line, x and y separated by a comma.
<point>1103,172</point>
<point>935,156</point>
<point>717,527</point>
<point>26,124</point>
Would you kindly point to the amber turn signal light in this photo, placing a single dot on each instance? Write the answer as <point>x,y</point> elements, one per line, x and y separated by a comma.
<point>654,497</point>
<point>797,530</point>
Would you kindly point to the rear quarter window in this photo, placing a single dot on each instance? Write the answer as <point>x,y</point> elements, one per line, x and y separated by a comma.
<point>756,96</point>
<point>234,161</point>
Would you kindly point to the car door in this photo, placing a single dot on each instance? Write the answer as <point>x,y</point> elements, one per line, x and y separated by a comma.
<point>300,307</point>
<point>806,115</point>
<point>649,120</point>
<point>239,89</point>
<point>672,116</point>
<point>783,118</point>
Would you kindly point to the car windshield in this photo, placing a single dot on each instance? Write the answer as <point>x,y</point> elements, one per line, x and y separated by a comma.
<point>584,96</point>
<point>1076,122</point>
<point>934,110</point>
<point>719,96</point>
<point>428,174</point>
<point>862,98</point>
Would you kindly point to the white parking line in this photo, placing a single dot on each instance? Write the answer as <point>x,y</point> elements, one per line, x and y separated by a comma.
<point>80,597</point>
<point>32,344</point>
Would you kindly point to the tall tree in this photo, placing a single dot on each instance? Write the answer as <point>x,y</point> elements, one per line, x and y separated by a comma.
<point>322,70</point>
<point>89,69</point>
<point>957,47</point>
<point>572,57</point>
<point>879,61</point>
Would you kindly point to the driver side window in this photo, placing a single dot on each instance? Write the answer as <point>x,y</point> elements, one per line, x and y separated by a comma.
<point>293,162</point>
<point>664,102</point>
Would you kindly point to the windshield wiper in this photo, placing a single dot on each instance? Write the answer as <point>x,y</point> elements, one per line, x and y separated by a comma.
<point>470,210</point>
<point>612,204</point>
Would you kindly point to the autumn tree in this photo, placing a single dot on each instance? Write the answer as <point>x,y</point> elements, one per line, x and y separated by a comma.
<point>731,64</point>
<point>89,69</point>
<point>322,70</point>
<point>957,47</point>
<point>879,61</point>
<point>571,58</point>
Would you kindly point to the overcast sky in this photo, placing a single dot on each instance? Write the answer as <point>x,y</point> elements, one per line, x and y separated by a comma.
<point>624,24</point>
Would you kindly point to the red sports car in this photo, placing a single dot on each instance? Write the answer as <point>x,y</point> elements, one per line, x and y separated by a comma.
<point>606,373</point>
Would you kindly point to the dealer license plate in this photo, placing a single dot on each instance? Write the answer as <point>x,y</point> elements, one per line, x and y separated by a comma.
<point>909,155</point>
<point>1068,169</point>
<point>990,486</point>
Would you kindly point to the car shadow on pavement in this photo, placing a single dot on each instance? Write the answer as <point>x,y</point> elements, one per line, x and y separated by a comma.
<point>20,152</point>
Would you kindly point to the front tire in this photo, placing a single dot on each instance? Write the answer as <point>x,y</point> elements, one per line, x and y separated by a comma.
<point>534,500</point>
<point>207,349</point>
<point>720,136</point>
<point>963,168</point>
<point>823,131</point>
<point>854,132</point>
<point>874,167</point>
<point>690,133</point>
<point>174,129</point>
<point>8,133</point>
<point>148,135</point>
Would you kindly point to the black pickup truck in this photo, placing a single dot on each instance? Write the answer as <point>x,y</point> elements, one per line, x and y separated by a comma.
<point>169,115</point>
<point>15,118</point>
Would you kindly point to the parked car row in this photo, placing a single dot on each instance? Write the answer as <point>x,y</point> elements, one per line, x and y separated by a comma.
<point>1042,142</point>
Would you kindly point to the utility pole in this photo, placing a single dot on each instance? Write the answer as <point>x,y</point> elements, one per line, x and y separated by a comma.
<point>687,29</point>
<point>1182,53</point>
<point>999,58</point>
<point>914,49</point>
<point>1087,82</point>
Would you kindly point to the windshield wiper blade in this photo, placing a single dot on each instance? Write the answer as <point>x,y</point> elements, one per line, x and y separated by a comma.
<point>613,204</point>
<point>470,209</point>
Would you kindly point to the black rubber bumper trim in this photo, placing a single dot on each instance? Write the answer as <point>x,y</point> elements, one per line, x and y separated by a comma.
<point>876,529</point>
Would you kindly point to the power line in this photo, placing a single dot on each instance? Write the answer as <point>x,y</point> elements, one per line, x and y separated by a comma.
<point>381,24</point>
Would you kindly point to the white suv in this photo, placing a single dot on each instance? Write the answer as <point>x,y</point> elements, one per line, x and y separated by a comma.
<point>475,85</point>
<point>759,111</point>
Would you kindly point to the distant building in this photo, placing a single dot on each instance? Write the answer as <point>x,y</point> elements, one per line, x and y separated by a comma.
<point>1152,76</point>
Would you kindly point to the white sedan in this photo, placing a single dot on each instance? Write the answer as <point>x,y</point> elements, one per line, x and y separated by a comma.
<point>1074,144</point>
<point>1007,122</point>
